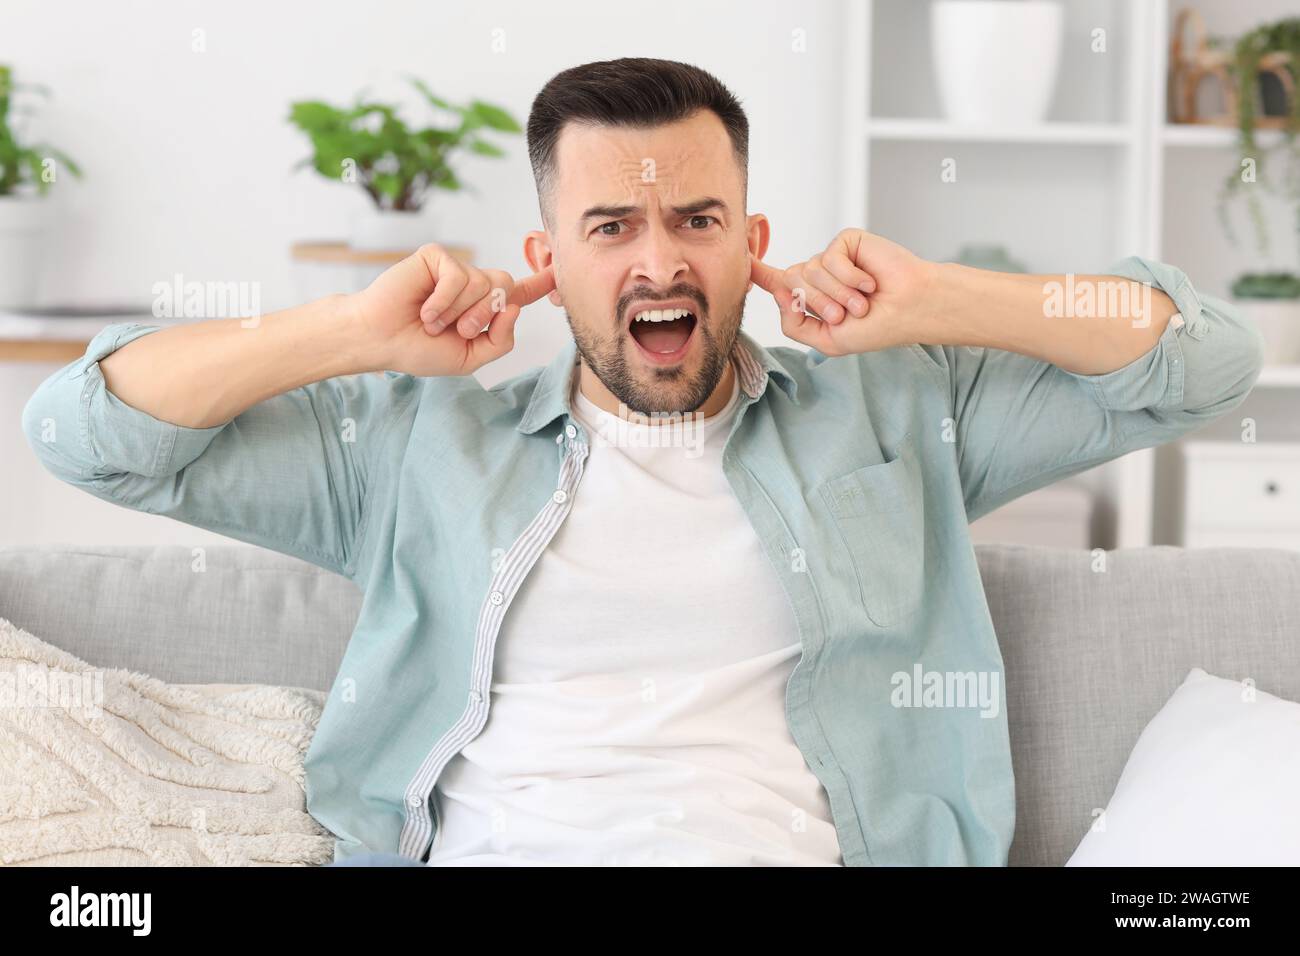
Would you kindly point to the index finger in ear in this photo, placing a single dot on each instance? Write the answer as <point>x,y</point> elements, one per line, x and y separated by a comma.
<point>784,298</point>
<point>532,287</point>
<point>766,276</point>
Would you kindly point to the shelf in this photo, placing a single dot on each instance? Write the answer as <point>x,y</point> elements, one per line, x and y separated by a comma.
<point>1214,137</point>
<point>336,252</point>
<point>939,130</point>
<point>37,336</point>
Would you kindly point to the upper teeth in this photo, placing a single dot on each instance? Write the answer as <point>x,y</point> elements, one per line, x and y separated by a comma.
<point>661,315</point>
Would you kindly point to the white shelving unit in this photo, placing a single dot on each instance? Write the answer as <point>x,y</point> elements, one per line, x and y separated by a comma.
<point>1076,193</point>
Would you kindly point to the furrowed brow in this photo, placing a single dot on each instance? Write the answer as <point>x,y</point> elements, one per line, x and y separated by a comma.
<point>697,207</point>
<point>607,212</point>
<point>618,212</point>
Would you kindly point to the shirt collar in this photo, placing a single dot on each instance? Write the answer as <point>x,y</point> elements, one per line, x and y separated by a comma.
<point>550,397</point>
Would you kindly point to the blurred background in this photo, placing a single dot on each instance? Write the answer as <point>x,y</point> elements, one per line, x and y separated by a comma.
<point>175,161</point>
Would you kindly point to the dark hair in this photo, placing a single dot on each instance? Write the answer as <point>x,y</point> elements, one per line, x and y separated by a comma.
<point>635,92</point>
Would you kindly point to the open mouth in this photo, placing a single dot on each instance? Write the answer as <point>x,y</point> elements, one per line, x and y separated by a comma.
<point>663,334</point>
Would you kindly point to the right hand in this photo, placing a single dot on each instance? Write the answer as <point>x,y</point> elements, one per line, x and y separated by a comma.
<point>393,314</point>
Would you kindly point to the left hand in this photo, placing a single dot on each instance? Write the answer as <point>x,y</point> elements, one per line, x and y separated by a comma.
<point>862,294</point>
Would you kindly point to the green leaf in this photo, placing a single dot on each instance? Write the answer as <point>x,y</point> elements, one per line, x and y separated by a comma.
<point>62,157</point>
<point>436,137</point>
<point>484,148</point>
<point>312,115</point>
<point>388,185</point>
<point>34,162</point>
<point>495,117</point>
<point>362,110</point>
<point>335,147</point>
<point>428,93</point>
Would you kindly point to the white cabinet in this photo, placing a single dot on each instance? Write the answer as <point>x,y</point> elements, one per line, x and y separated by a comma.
<point>1241,494</point>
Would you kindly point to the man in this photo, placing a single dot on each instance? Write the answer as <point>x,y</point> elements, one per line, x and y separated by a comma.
<point>690,579</point>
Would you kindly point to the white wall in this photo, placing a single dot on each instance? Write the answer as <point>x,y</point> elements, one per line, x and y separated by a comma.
<point>187,155</point>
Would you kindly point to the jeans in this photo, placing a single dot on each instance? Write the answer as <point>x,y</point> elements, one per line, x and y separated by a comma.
<point>377,859</point>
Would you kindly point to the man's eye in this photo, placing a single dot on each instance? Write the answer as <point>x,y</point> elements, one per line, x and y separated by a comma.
<point>604,228</point>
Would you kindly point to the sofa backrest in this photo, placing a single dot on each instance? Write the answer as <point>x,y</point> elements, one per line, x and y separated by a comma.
<point>1090,655</point>
<point>231,614</point>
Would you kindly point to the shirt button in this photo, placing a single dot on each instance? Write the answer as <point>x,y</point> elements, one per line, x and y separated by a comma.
<point>570,431</point>
<point>496,597</point>
<point>414,801</point>
<point>475,696</point>
<point>559,439</point>
<point>560,496</point>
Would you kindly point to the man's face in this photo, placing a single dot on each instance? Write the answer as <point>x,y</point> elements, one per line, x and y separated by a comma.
<point>650,221</point>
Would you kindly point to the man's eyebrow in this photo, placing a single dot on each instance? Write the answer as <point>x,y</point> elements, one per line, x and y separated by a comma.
<point>618,212</point>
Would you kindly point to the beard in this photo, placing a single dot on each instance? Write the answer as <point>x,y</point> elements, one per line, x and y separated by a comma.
<point>661,390</point>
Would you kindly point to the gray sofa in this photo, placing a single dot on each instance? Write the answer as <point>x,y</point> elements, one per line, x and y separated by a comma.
<point>1090,656</point>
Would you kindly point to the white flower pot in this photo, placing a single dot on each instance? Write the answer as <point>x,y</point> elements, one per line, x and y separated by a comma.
<point>23,222</point>
<point>388,230</point>
<point>996,61</point>
<point>1278,320</point>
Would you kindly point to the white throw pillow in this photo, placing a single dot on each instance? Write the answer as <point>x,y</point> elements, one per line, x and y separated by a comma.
<point>1213,780</point>
<point>108,767</point>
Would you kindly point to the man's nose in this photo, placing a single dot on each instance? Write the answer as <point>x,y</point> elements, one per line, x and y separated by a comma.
<point>659,262</point>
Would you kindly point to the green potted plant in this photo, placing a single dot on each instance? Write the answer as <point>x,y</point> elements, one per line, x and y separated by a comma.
<point>1262,99</point>
<point>1265,98</point>
<point>26,174</point>
<point>398,167</point>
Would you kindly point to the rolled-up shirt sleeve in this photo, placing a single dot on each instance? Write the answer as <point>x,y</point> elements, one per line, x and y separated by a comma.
<point>290,473</point>
<point>111,436</point>
<point>1021,423</point>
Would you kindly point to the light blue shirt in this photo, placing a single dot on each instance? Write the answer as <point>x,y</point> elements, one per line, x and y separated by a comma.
<point>859,474</point>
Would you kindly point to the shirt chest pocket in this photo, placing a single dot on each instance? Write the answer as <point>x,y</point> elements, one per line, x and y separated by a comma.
<point>878,512</point>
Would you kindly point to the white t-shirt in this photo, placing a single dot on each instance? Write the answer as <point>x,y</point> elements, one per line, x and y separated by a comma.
<point>637,713</point>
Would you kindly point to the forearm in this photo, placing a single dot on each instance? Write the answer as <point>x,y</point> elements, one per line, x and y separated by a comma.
<point>205,373</point>
<point>1087,324</point>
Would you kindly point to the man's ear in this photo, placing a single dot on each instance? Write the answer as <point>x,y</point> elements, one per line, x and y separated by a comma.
<point>537,253</point>
<point>757,233</point>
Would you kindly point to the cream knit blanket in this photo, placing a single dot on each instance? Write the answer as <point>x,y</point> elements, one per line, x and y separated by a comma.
<point>104,767</point>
